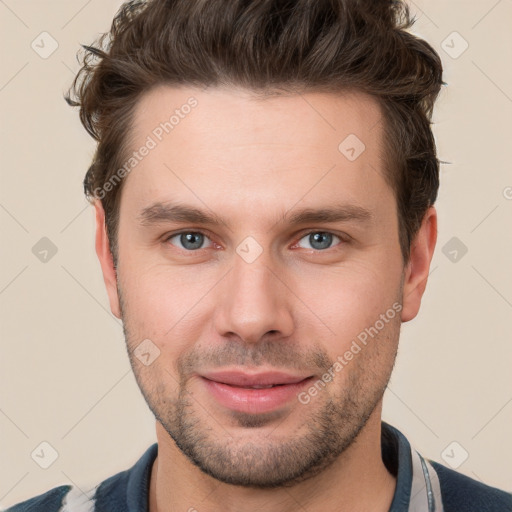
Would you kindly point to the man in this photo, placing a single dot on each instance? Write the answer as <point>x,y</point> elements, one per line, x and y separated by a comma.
<point>264,186</point>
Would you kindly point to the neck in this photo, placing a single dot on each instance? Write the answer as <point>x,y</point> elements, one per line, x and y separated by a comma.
<point>357,481</point>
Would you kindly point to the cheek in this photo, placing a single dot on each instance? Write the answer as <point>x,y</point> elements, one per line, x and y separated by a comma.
<point>163,304</point>
<point>348,298</point>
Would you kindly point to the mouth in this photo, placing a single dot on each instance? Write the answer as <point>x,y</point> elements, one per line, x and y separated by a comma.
<point>256,393</point>
<point>254,380</point>
<point>254,387</point>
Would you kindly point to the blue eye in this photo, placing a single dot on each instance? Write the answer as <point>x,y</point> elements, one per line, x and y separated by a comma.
<point>195,240</point>
<point>319,240</point>
<point>189,240</point>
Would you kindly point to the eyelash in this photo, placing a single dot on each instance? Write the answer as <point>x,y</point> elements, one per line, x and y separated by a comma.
<point>344,238</point>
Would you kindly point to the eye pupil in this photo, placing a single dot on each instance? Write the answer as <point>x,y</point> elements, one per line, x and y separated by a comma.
<point>191,240</point>
<point>323,240</point>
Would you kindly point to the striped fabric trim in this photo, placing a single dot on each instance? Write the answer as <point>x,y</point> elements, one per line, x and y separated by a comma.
<point>425,488</point>
<point>78,501</point>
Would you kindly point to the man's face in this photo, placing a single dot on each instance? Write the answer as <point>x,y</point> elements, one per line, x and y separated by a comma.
<point>258,291</point>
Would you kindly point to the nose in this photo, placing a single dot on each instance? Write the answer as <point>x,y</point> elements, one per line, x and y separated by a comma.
<point>253,302</point>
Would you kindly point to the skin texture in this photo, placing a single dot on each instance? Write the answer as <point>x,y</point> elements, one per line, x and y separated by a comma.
<point>295,308</point>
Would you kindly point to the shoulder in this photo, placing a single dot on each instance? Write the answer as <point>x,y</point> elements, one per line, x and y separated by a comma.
<point>50,501</point>
<point>461,493</point>
<point>66,498</point>
<point>126,490</point>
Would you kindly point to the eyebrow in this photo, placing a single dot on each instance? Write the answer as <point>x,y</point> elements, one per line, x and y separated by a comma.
<point>160,213</point>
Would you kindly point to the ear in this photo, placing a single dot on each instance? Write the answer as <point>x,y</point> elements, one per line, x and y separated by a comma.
<point>106,260</point>
<point>417,269</point>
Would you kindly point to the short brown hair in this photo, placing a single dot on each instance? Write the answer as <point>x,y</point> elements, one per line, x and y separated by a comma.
<point>266,46</point>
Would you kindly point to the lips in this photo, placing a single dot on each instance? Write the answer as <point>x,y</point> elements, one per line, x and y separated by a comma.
<point>254,393</point>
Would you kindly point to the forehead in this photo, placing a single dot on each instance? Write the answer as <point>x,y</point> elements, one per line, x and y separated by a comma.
<point>232,147</point>
<point>228,115</point>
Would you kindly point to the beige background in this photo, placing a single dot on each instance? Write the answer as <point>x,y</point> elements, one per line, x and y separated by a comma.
<point>65,376</point>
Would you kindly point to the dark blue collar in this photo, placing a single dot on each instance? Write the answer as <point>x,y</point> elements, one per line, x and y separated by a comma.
<point>396,455</point>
